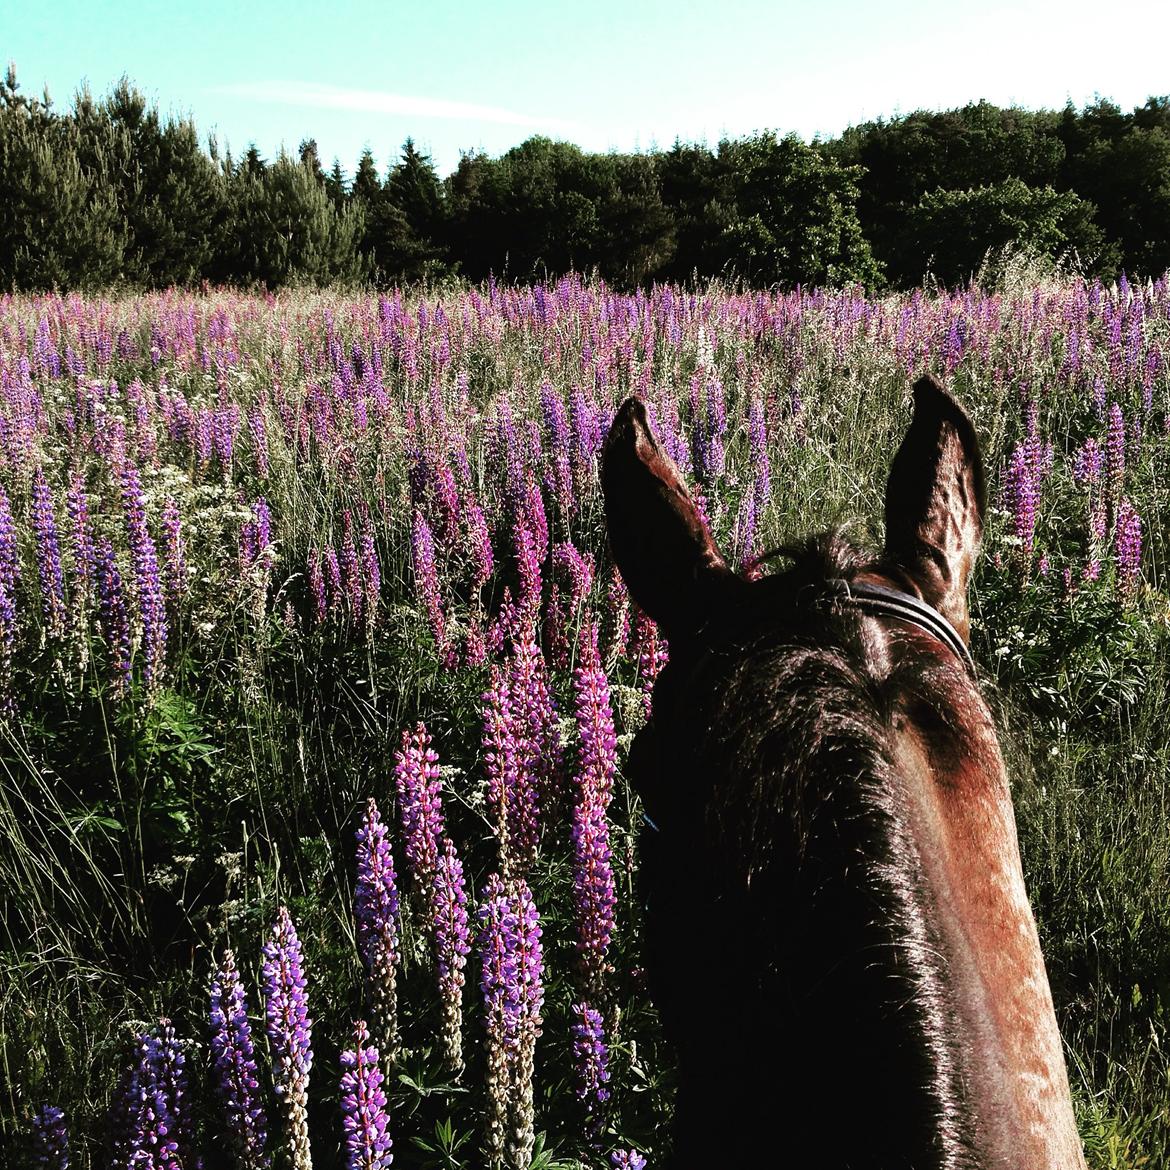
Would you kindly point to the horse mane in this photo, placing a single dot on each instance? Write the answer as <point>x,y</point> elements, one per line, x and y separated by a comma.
<point>800,847</point>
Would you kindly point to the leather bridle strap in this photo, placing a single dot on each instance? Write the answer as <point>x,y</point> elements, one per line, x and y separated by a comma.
<point>883,601</point>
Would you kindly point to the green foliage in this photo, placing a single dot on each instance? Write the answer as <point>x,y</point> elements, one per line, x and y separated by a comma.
<point>111,192</point>
<point>956,229</point>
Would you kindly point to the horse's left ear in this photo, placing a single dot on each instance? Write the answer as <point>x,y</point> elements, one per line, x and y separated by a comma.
<point>666,554</point>
<point>935,501</point>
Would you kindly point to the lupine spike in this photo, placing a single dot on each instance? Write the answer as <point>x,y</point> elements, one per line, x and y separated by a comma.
<point>376,911</point>
<point>365,1117</point>
<point>237,1080</point>
<point>290,1033</point>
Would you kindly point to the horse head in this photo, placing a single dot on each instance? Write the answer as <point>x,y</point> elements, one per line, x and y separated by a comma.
<point>838,935</point>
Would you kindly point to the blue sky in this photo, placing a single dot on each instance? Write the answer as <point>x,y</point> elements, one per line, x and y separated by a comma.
<point>624,75</point>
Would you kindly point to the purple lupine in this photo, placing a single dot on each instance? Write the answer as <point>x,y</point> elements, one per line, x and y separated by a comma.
<point>452,946</point>
<point>499,754</point>
<point>81,546</point>
<point>1020,496</point>
<point>258,431</point>
<point>1115,453</point>
<point>1128,550</point>
<point>651,652</point>
<point>317,588</point>
<point>9,561</point>
<point>511,979</point>
<point>115,621</point>
<point>333,579</point>
<point>627,1160</point>
<point>758,448</point>
<point>416,780</point>
<point>351,569</point>
<point>591,1057</point>
<point>290,1033</point>
<point>426,578</point>
<point>479,547</point>
<point>376,911</point>
<point>617,608</point>
<point>174,553</point>
<point>52,578</point>
<point>50,1138</point>
<point>145,1130</point>
<point>148,587</point>
<point>593,882</point>
<point>365,1118</point>
<point>172,1077</point>
<point>528,568</point>
<point>237,1080</point>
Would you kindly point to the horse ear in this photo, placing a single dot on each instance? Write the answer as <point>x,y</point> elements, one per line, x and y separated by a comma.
<point>661,544</point>
<point>935,501</point>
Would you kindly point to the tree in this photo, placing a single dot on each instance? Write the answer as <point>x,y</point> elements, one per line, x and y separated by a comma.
<point>952,231</point>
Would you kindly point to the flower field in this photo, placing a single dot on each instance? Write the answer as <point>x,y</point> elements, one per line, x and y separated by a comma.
<point>317,682</point>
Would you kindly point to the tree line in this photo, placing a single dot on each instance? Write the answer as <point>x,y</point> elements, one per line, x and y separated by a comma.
<point>109,192</point>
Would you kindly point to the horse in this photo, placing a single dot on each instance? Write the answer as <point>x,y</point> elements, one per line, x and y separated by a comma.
<point>837,933</point>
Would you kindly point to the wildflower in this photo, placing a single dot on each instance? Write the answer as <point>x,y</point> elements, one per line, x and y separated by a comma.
<point>289,1028</point>
<point>1021,495</point>
<point>44,523</point>
<point>593,882</point>
<point>376,911</point>
<point>416,779</point>
<point>511,980</point>
<point>627,1160</point>
<point>591,1056</point>
<point>364,1115</point>
<point>50,1138</point>
<point>452,946</point>
<point>1128,550</point>
<point>426,578</point>
<point>237,1080</point>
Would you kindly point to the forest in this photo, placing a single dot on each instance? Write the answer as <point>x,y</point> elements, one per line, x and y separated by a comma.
<point>108,192</point>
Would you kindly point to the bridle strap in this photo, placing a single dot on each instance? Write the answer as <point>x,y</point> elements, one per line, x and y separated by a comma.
<point>884,601</point>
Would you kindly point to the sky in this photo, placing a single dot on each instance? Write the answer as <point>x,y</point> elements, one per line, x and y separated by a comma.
<point>459,76</point>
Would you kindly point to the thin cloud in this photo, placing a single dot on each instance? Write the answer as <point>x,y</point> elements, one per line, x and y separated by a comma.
<point>372,101</point>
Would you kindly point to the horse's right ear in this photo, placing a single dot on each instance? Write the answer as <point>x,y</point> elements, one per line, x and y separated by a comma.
<point>662,547</point>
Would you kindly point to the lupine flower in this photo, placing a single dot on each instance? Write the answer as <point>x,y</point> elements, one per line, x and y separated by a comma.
<point>145,1129</point>
<point>1115,452</point>
<point>174,553</point>
<point>148,589</point>
<point>426,578</point>
<point>591,1056</point>
<point>627,1160</point>
<point>365,1117</point>
<point>512,969</point>
<point>479,547</point>
<point>376,911</point>
<point>593,883</point>
<point>114,620</point>
<point>290,1033</point>
<point>237,1080</point>
<point>452,946</point>
<point>50,1139</point>
<point>1128,550</point>
<point>1020,494</point>
<point>416,779</point>
<point>52,578</point>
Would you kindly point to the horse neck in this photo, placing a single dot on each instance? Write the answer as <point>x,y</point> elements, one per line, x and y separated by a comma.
<point>1011,1049</point>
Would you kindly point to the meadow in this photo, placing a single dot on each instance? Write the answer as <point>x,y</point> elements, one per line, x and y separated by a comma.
<point>317,681</point>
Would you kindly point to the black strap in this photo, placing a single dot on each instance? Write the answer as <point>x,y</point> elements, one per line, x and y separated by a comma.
<point>888,602</point>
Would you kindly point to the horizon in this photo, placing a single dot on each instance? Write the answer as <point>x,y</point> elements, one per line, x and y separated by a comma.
<point>378,89</point>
